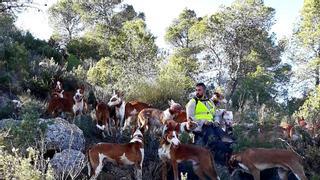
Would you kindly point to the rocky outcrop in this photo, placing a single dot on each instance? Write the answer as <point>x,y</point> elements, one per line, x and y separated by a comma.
<point>61,135</point>
<point>68,163</point>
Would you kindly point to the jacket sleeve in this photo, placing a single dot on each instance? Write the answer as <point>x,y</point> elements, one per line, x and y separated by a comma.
<point>190,109</point>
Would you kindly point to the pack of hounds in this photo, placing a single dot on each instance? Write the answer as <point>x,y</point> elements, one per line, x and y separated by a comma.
<point>139,118</point>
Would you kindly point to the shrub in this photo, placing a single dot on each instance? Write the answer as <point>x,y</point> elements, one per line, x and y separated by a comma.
<point>104,73</point>
<point>42,76</point>
<point>157,94</point>
<point>15,166</point>
<point>170,84</point>
<point>310,109</point>
<point>15,56</point>
<point>250,140</point>
<point>7,111</point>
<point>312,158</point>
<point>29,132</point>
<point>5,80</point>
<point>73,62</point>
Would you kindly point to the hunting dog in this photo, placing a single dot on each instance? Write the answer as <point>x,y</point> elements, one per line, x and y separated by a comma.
<point>80,105</point>
<point>171,150</point>
<point>103,118</point>
<point>131,153</point>
<point>126,112</point>
<point>258,159</point>
<point>155,118</point>
<point>172,125</point>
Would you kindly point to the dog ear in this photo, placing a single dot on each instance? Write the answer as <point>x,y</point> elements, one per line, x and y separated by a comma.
<point>164,130</point>
<point>177,128</point>
<point>142,130</point>
<point>82,87</point>
<point>171,102</point>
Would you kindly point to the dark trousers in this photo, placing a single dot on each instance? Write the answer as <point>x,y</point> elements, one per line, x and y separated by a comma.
<point>212,134</point>
<point>211,138</point>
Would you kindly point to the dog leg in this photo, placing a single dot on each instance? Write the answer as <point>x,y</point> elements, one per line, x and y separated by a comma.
<point>175,170</point>
<point>125,126</point>
<point>283,174</point>
<point>108,128</point>
<point>298,172</point>
<point>210,172</point>
<point>138,172</point>
<point>164,170</point>
<point>256,173</point>
<point>198,171</point>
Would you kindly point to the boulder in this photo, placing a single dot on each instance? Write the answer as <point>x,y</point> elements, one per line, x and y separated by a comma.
<point>68,163</point>
<point>61,135</point>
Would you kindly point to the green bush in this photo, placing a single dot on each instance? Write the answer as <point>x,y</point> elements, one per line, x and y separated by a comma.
<point>5,80</point>
<point>42,76</point>
<point>310,109</point>
<point>29,132</point>
<point>73,62</point>
<point>104,73</point>
<point>170,84</point>
<point>16,57</point>
<point>250,140</point>
<point>157,94</point>
<point>6,111</point>
<point>312,160</point>
<point>15,166</point>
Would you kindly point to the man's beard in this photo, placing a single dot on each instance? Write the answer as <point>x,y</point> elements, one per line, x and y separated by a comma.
<point>198,95</point>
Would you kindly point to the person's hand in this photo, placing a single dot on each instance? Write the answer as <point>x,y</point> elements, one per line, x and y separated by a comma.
<point>207,123</point>
<point>216,124</point>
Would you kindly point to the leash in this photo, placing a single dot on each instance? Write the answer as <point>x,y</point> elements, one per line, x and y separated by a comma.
<point>289,145</point>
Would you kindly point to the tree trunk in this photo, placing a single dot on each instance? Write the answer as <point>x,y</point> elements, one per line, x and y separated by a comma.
<point>233,88</point>
<point>317,73</point>
<point>317,70</point>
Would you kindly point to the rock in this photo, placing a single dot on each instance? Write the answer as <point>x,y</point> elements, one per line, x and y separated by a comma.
<point>67,163</point>
<point>61,135</point>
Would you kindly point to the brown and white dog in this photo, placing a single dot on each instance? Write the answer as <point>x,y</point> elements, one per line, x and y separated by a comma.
<point>201,158</point>
<point>258,159</point>
<point>80,106</point>
<point>131,153</point>
<point>155,118</point>
<point>126,112</point>
<point>218,98</point>
<point>181,117</point>
<point>58,91</point>
<point>73,105</point>
<point>288,131</point>
<point>103,118</point>
<point>171,125</point>
<point>57,104</point>
<point>224,118</point>
<point>312,128</point>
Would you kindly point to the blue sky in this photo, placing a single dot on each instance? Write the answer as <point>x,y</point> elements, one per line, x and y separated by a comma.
<point>160,14</point>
